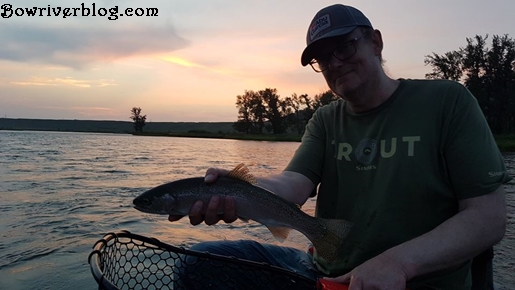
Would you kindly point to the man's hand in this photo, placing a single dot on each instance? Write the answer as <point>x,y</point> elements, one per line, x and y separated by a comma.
<point>218,208</point>
<point>378,273</point>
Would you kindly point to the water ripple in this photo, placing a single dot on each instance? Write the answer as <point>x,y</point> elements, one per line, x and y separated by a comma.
<point>61,192</point>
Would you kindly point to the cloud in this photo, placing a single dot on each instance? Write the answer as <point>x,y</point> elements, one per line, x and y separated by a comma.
<point>190,64</point>
<point>39,81</point>
<point>181,61</point>
<point>81,46</point>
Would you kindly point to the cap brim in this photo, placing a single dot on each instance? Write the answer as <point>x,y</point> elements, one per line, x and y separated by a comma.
<point>307,54</point>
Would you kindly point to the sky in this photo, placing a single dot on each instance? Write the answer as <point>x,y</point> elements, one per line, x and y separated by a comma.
<point>191,61</point>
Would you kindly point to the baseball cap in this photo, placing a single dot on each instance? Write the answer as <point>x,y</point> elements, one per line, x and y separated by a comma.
<point>334,20</point>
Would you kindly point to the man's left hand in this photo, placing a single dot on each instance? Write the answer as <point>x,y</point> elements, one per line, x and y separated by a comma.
<point>378,273</point>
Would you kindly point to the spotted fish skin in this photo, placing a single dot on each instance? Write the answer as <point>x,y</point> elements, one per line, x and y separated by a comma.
<point>251,203</point>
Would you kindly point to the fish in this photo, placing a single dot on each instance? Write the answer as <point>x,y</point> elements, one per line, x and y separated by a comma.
<point>251,203</point>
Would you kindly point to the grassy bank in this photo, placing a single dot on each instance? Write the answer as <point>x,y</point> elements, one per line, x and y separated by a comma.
<point>235,136</point>
<point>220,130</point>
<point>506,143</point>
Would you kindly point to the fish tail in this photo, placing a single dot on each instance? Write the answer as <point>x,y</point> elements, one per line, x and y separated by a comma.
<point>329,242</point>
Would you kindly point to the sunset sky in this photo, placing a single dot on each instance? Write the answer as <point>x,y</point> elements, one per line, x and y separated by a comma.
<point>190,62</point>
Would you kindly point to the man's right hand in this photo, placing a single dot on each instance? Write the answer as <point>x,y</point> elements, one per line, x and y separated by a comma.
<point>199,212</point>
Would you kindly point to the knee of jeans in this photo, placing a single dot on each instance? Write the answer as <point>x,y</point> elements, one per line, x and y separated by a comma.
<point>236,248</point>
<point>206,247</point>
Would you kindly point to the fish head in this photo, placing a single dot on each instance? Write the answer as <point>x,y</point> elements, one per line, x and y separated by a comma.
<point>158,200</point>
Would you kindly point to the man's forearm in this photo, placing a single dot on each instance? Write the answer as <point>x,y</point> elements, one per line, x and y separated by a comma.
<point>480,224</point>
<point>291,186</point>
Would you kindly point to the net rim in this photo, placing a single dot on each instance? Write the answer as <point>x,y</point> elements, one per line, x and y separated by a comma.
<point>94,258</point>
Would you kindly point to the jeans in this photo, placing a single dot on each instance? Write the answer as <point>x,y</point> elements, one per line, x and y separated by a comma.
<point>198,273</point>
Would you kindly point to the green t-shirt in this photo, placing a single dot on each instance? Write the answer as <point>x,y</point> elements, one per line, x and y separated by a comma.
<point>399,170</point>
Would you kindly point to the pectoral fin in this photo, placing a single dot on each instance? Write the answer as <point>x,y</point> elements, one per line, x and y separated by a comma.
<point>280,233</point>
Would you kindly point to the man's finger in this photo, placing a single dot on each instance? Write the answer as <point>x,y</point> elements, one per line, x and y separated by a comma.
<point>196,216</point>
<point>212,174</point>
<point>210,178</point>
<point>229,211</point>
<point>174,218</point>
<point>212,216</point>
<point>355,283</point>
<point>344,279</point>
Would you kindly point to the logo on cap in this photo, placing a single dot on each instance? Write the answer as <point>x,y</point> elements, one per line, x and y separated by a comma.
<point>321,23</point>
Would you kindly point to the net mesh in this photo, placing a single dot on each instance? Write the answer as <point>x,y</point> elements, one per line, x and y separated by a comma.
<point>128,261</point>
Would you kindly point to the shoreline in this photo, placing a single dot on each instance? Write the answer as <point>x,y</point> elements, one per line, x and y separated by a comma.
<point>233,136</point>
<point>506,143</point>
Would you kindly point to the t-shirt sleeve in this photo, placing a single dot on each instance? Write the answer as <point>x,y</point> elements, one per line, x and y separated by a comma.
<point>308,160</point>
<point>474,164</point>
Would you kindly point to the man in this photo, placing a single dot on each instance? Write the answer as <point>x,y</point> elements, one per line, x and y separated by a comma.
<point>412,163</point>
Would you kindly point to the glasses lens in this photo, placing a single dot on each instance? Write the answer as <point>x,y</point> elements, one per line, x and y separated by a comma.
<point>345,51</point>
<point>317,66</point>
<point>342,52</point>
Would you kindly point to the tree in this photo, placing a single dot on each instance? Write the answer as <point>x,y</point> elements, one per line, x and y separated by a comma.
<point>275,109</point>
<point>266,109</point>
<point>295,115</point>
<point>310,107</point>
<point>259,110</point>
<point>139,120</point>
<point>324,98</point>
<point>300,109</point>
<point>447,66</point>
<point>251,119</point>
<point>489,73</point>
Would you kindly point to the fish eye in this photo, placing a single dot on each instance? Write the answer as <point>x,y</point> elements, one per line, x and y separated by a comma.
<point>142,201</point>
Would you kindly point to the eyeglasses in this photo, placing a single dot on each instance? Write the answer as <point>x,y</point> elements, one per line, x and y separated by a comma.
<point>342,52</point>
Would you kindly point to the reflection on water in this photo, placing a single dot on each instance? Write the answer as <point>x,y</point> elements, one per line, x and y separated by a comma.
<point>60,192</point>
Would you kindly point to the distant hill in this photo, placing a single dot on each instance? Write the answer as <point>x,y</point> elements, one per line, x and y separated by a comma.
<point>111,126</point>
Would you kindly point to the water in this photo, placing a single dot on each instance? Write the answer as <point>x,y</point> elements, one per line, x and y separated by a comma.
<point>61,192</point>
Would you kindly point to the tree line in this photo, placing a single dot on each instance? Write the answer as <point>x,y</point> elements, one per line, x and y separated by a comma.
<point>265,111</point>
<point>487,72</point>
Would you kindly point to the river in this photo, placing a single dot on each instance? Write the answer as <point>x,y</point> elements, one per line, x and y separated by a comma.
<point>61,192</point>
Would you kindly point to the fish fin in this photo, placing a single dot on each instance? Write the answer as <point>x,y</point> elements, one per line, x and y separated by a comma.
<point>241,172</point>
<point>280,233</point>
<point>328,244</point>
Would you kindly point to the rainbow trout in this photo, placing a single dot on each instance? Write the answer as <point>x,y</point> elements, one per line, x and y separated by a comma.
<point>251,202</point>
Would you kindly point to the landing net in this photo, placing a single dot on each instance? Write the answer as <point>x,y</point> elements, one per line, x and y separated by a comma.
<point>124,260</point>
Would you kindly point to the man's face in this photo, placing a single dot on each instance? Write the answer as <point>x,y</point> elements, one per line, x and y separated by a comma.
<point>346,76</point>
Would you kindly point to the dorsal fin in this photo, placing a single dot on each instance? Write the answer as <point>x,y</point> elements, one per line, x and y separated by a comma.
<point>241,172</point>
